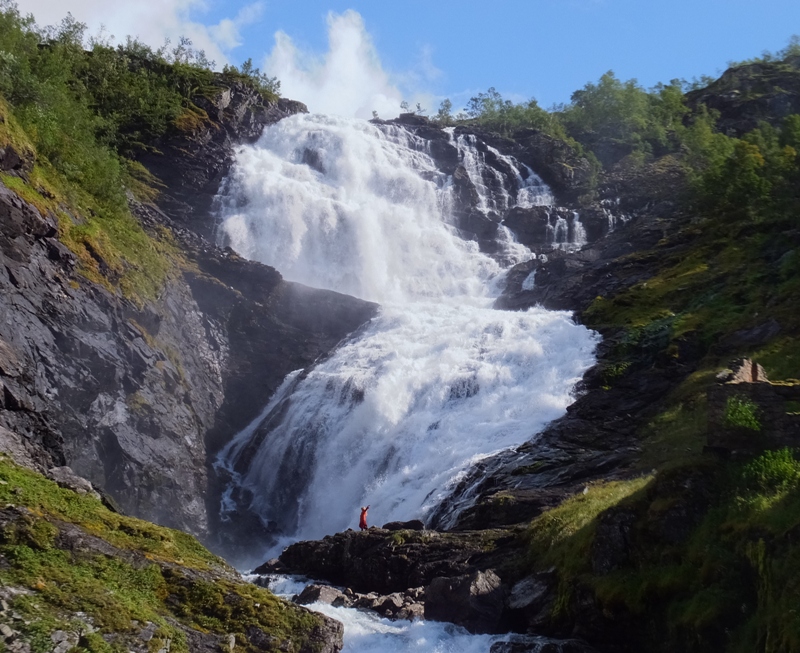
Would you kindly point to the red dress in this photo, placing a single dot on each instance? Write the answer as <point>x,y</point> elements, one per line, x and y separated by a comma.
<point>362,523</point>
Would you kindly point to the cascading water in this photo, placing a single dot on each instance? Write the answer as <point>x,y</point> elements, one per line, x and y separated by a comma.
<point>438,380</point>
<point>513,184</point>
<point>578,230</point>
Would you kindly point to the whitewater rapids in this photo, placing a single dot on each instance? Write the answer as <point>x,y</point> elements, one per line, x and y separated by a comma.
<point>438,380</point>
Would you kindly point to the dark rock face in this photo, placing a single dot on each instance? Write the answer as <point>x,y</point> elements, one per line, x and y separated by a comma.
<point>611,545</point>
<point>413,525</point>
<point>747,95</point>
<point>474,601</point>
<point>381,561</point>
<point>192,164</point>
<point>566,173</point>
<point>127,396</point>
<point>137,398</point>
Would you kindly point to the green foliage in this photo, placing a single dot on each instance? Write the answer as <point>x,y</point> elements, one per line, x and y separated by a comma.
<point>81,114</point>
<point>269,87</point>
<point>27,488</point>
<point>625,117</point>
<point>729,584</point>
<point>503,116</point>
<point>156,574</point>
<point>741,412</point>
<point>772,473</point>
<point>562,536</point>
<point>444,116</point>
<point>755,177</point>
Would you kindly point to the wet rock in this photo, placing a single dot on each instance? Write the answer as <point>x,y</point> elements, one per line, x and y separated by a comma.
<point>389,605</point>
<point>474,601</point>
<point>322,594</point>
<point>532,644</point>
<point>411,612</point>
<point>413,525</point>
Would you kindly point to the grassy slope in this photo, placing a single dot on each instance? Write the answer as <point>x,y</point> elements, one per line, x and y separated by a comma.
<point>112,247</point>
<point>133,573</point>
<point>729,582</point>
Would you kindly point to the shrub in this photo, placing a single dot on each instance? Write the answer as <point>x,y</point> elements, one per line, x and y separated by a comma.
<point>773,472</point>
<point>742,412</point>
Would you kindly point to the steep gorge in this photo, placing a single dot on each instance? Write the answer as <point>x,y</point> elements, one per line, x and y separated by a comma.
<point>139,397</point>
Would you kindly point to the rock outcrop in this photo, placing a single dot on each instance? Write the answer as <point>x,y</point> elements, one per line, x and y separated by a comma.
<point>137,397</point>
<point>378,560</point>
<point>750,94</point>
<point>191,163</point>
<point>407,574</point>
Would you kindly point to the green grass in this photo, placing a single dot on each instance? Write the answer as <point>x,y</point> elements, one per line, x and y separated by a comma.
<point>741,412</point>
<point>20,486</point>
<point>561,537</point>
<point>731,584</point>
<point>158,575</point>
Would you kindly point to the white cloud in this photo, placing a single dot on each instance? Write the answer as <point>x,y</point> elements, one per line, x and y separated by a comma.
<point>226,32</point>
<point>151,22</point>
<point>349,79</point>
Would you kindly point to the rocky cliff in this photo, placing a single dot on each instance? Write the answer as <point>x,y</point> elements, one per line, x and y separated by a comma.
<point>138,395</point>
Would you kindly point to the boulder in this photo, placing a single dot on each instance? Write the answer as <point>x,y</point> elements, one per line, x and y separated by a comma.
<point>474,601</point>
<point>530,602</point>
<point>322,594</point>
<point>66,478</point>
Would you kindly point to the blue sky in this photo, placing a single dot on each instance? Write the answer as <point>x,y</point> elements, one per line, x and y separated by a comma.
<point>425,51</point>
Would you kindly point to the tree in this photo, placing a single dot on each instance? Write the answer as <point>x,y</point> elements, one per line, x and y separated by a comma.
<point>445,114</point>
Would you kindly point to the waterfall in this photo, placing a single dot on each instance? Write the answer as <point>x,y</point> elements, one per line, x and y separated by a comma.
<point>498,191</point>
<point>438,380</point>
<point>578,232</point>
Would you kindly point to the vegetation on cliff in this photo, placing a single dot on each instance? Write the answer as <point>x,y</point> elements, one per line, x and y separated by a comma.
<point>114,583</point>
<point>700,553</point>
<point>77,119</point>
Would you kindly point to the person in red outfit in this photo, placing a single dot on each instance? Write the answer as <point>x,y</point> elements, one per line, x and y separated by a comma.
<point>362,523</point>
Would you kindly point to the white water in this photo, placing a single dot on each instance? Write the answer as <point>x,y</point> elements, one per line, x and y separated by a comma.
<point>366,632</point>
<point>493,188</point>
<point>438,380</point>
